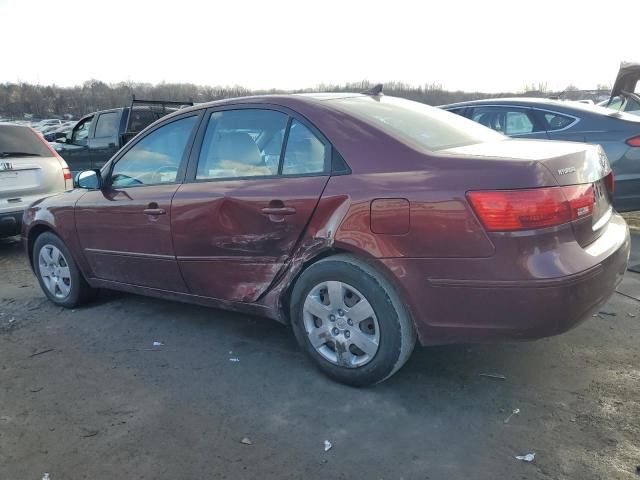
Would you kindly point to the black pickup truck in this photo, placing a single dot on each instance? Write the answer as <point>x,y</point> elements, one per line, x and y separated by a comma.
<point>97,136</point>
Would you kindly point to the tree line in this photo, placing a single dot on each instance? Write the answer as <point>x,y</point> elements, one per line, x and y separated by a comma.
<point>43,101</point>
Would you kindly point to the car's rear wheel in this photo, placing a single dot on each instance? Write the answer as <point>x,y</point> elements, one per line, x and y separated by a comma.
<point>350,321</point>
<point>58,275</point>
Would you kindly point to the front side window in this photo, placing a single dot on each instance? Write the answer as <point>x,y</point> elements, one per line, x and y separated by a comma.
<point>304,153</point>
<point>242,143</point>
<point>107,125</point>
<point>81,131</point>
<point>156,158</point>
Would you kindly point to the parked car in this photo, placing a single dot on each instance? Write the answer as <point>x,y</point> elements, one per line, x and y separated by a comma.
<point>29,170</point>
<point>63,131</point>
<point>50,122</point>
<point>618,133</point>
<point>364,221</point>
<point>95,138</point>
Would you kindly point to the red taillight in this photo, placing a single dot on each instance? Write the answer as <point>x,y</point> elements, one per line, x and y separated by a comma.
<point>609,182</point>
<point>509,210</point>
<point>67,173</point>
<point>634,141</point>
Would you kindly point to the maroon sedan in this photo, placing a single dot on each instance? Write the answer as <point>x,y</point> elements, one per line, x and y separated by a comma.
<point>364,221</point>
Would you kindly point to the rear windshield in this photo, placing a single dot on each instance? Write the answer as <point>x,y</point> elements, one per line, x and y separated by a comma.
<point>15,139</point>
<point>416,123</point>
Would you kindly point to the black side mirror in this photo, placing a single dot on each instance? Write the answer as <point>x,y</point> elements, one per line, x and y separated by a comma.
<point>89,179</point>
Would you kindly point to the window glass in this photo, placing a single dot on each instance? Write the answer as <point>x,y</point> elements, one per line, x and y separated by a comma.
<point>242,143</point>
<point>16,138</point>
<point>107,125</point>
<point>489,117</point>
<point>82,130</point>
<point>304,152</point>
<point>507,120</point>
<point>518,123</point>
<point>556,121</point>
<point>141,118</point>
<point>154,159</point>
<point>422,125</point>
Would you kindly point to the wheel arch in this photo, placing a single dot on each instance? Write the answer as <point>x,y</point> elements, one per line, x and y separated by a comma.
<point>33,233</point>
<point>361,255</point>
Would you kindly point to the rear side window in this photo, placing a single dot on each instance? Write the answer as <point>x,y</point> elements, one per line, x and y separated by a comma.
<point>156,158</point>
<point>107,125</point>
<point>242,143</point>
<point>142,118</point>
<point>518,123</point>
<point>17,139</point>
<point>555,121</point>
<point>305,153</point>
<point>416,123</point>
<point>507,120</point>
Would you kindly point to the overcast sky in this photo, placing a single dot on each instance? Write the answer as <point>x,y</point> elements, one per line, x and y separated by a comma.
<point>485,45</point>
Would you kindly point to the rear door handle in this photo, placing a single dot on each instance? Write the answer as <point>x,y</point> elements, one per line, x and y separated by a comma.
<point>279,211</point>
<point>154,211</point>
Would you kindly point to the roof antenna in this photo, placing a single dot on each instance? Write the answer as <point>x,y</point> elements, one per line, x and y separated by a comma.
<point>375,91</point>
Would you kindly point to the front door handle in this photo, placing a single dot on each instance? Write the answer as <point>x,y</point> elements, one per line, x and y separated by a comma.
<point>279,211</point>
<point>154,211</point>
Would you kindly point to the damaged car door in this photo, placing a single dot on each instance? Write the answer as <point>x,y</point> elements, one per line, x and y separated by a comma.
<point>255,177</point>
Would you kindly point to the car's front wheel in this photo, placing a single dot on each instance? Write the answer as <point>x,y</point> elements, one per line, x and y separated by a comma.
<point>57,272</point>
<point>350,321</point>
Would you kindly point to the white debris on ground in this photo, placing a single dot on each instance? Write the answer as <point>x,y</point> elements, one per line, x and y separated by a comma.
<point>234,359</point>
<point>529,457</point>
<point>515,412</point>
<point>327,445</point>
<point>158,344</point>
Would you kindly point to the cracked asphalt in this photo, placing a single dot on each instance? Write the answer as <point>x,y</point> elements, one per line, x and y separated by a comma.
<point>85,394</point>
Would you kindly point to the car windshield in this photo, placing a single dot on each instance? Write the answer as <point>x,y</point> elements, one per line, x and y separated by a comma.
<point>416,123</point>
<point>19,140</point>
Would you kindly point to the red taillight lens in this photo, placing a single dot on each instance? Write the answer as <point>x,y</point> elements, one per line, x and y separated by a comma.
<point>634,141</point>
<point>609,182</point>
<point>66,172</point>
<point>509,210</point>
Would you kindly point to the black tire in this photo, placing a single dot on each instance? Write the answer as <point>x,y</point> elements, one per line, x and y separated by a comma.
<point>80,292</point>
<point>397,334</point>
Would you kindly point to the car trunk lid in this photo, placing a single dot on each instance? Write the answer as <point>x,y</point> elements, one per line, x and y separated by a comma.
<point>570,164</point>
<point>626,81</point>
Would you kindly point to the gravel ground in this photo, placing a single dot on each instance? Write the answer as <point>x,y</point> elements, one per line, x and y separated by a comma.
<point>85,394</point>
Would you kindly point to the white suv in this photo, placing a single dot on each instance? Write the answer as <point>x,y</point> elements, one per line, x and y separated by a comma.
<point>29,170</point>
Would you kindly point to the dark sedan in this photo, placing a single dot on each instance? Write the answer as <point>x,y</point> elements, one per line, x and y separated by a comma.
<point>363,221</point>
<point>618,133</point>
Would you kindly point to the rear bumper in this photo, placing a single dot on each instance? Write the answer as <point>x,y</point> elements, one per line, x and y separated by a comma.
<point>484,306</point>
<point>10,223</point>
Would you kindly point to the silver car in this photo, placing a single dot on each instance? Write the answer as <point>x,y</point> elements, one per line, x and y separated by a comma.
<point>29,169</point>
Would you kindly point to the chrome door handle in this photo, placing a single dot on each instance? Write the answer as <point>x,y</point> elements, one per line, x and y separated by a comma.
<point>154,211</point>
<point>279,211</point>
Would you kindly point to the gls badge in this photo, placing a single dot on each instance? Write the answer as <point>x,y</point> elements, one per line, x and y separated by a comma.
<point>6,166</point>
